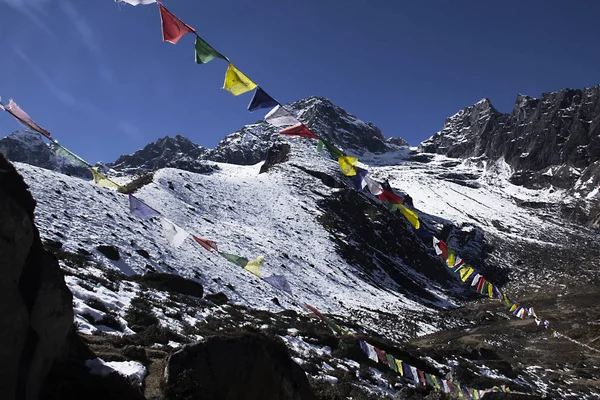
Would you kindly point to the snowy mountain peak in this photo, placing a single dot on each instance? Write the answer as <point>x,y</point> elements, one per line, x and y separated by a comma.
<point>250,144</point>
<point>175,152</point>
<point>548,142</point>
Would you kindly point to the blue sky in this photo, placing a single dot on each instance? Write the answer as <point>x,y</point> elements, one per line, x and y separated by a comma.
<point>98,76</point>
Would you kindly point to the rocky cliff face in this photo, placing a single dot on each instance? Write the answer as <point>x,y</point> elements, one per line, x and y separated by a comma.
<point>27,147</point>
<point>547,143</point>
<point>554,140</point>
<point>36,311</point>
<point>177,152</point>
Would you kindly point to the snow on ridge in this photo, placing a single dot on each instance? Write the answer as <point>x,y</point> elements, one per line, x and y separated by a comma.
<point>248,214</point>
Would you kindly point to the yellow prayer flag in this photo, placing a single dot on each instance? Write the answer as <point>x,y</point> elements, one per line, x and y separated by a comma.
<point>254,266</point>
<point>465,273</point>
<point>513,308</point>
<point>348,165</point>
<point>490,291</point>
<point>236,82</point>
<point>399,365</point>
<point>410,215</point>
<point>451,259</point>
<point>103,181</point>
<point>460,392</point>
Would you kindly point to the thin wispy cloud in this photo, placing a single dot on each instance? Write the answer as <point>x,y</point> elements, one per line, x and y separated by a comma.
<point>63,96</point>
<point>33,9</point>
<point>130,130</point>
<point>83,28</point>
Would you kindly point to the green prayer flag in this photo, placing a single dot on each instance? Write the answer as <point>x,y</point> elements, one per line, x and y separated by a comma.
<point>334,151</point>
<point>62,152</point>
<point>392,362</point>
<point>205,52</point>
<point>320,146</point>
<point>241,261</point>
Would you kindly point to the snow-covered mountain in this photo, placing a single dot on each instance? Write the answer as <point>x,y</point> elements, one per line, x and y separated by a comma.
<point>341,251</point>
<point>550,141</point>
<point>249,145</point>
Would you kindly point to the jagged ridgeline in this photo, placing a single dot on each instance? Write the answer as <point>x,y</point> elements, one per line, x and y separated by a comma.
<point>138,300</point>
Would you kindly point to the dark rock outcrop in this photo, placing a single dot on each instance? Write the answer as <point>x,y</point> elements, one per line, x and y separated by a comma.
<point>277,154</point>
<point>553,140</point>
<point>36,311</point>
<point>238,366</point>
<point>27,147</point>
<point>178,152</point>
<point>171,283</point>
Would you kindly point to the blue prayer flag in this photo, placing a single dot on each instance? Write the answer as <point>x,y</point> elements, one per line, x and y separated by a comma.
<point>261,99</point>
<point>141,209</point>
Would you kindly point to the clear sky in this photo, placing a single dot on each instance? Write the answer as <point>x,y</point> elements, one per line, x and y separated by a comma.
<point>98,76</point>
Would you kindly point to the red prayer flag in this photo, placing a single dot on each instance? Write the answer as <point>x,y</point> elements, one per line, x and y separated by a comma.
<point>207,244</point>
<point>13,109</point>
<point>480,285</point>
<point>444,249</point>
<point>391,197</point>
<point>422,376</point>
<point>173,28</point>
<point>299,130</point>
<point>381,356</point>
<point>316,312</point>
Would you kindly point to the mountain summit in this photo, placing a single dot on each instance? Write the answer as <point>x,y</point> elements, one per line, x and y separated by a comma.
<point>249,145</point>
<point>553,140</point>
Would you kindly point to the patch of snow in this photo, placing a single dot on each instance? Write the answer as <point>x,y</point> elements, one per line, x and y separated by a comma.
<point>132,370</point>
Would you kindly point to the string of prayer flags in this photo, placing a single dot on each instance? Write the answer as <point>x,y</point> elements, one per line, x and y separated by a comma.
<point>299,130</point>
<point>175,235</point>
<point>348,165</point>
<point>261,99</point>
<point>241,261</point>
<point>136,2</point>
<point>205,52</point>
<point>207,244</point>
<point>255,265</point>
<point>279,117</point>
<point>173,28</point>
<point>103,181</point>
<point>279,282</point>
<point>236,82</point>
<point>141,209</point>
<point>13,109</point>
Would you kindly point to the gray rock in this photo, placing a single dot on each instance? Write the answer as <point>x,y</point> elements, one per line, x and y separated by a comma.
<point>36,311</point>
<point>178,152</point>
<point>561,130</point>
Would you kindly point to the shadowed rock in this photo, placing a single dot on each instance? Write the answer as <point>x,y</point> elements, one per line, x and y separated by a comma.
<point>243,366</point>
<point>36,311</point>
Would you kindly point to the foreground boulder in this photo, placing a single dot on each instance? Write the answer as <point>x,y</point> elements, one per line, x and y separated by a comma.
<point>36,311</point>
<point>242,366</point>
